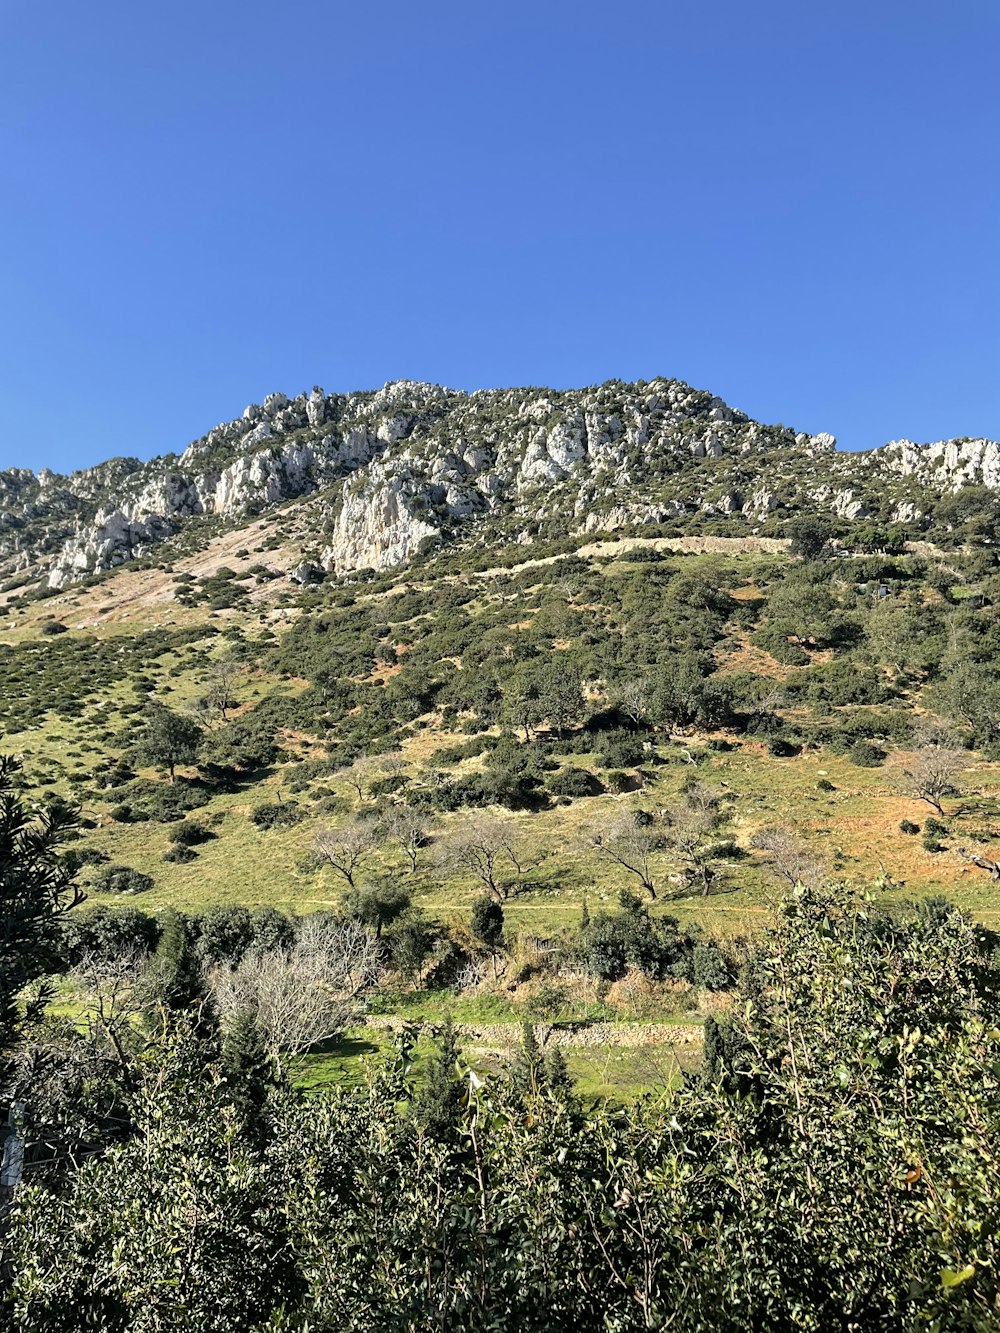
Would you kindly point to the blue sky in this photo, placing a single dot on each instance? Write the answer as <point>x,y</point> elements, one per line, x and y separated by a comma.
<point>793,205</point>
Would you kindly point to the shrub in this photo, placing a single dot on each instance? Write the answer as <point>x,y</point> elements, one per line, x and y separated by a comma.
<point>121,879</point>
<point>180,854</point>
<point>277,816</point>
<point>574,782</point>
<point>620,749</point>
<point>708,967</point>
<point>189,834</point>
<point>865,754</point>
<point>908,826</point>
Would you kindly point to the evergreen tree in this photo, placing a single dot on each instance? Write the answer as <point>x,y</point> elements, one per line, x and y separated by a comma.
<point>439,1104</point>
<point>166,739</point>
<point>487,921</point>
<point>247,1067</point>
<point>175,962</point>
<point>528,1071</point>
<point>557,1076</point>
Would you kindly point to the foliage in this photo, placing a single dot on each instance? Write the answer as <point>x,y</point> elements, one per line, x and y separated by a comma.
<point>36,889</point>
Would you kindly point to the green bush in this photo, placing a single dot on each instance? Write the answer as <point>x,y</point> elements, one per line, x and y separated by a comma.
<point>865,754</point>
<point>121,879</point>
<point>277,816</point>
<point>573,782</point>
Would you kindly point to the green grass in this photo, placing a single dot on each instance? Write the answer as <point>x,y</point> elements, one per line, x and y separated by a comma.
<point>599,1073</point>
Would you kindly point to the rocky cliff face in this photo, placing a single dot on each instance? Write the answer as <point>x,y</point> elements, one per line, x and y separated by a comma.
<point>391,470</point>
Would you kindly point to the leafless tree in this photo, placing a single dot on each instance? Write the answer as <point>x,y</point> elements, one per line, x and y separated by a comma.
<point>689,826</point>
<point>118,989</point>
<point>631,845</point>
<point>305,993</point>
<point>933,772</point>
<point>223,677</point>
<point>787,856</point>
<point>632,698</point>
<point>408,830</point>
<point>346,849</point>
<point>367,767</point>
<point>483,851</point>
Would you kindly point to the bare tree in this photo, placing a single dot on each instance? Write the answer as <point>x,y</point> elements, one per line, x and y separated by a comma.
<point>223,677</point>
<point>630,844</point>
<point>305,993</point>
<point>787,856</point>
<point>367,767</point>
<point>119,988</point>
<point>484,850</point>
<point>933,772</point>
<point>689,826</point>
<point>346,849</point>
<point>631,696</point>
<point>408,830</point>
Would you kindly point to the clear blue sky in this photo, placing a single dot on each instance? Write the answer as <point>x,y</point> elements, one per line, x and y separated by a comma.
<point>795,205</point>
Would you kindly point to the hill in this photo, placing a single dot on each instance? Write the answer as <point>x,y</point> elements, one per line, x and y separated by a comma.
<point>380,476</point>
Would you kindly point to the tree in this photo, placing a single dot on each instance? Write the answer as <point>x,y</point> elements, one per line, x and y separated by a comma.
<point>246,1065</point>
<point>630,844</point>
<point>933,772</point>
<point>410,939</point>
<point>689,826</point>
<point>680,694</point>
<point>223,677</point>
<point>347,848</point>
<point>119,989</point>
<point>788,856</point>
<point>522,699</point>
<point>368,767</point>
<point>560,691</point>
<point>166,739</point>
<point>528,1069</point>
<point>808,537</point>
<point>408,830</point>
<point>377,905</point>
<point>304,994</point>
<point>438,1106</point>
<point>487,921</point>
<point>970,693</point>
<point>483,850</point>
<point>630,695</point>
<point>175,966</point>
<point>37,888</point>
<point>224,933</point>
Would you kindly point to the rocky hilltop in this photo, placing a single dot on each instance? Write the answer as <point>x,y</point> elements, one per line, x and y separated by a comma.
<point>385,473</point>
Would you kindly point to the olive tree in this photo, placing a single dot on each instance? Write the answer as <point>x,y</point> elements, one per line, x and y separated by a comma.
<point>166,739</point>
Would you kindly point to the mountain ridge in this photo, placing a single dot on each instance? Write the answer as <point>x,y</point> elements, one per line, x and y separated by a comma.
<point>388,472</point>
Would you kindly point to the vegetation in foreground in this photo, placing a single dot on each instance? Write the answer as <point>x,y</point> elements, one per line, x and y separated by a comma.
<point>832,1165</point>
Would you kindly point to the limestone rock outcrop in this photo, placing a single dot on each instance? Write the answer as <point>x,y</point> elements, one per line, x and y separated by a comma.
<point>388,471</point>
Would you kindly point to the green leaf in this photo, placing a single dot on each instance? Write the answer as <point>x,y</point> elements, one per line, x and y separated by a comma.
<point>951,1278</point>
